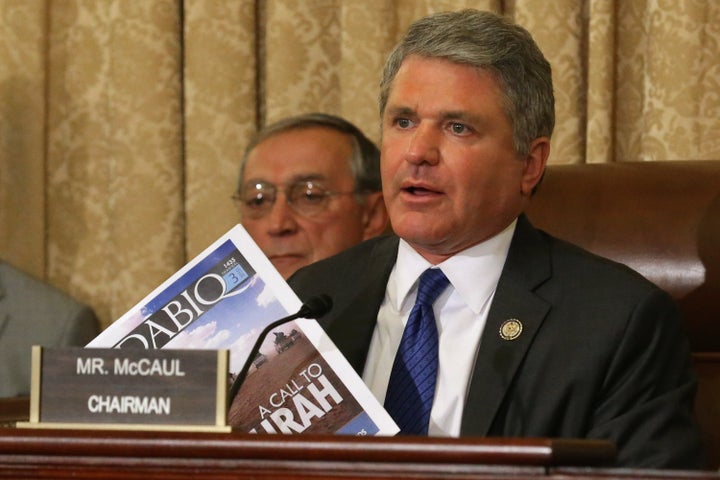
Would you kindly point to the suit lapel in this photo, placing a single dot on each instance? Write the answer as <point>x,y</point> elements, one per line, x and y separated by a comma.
<point>526,267</point>
<point>351,325</point>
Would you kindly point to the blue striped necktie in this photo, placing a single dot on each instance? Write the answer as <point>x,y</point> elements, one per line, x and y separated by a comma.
<point>411,388</point>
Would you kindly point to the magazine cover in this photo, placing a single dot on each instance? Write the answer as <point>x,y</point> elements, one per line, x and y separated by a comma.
<point>223,299</point>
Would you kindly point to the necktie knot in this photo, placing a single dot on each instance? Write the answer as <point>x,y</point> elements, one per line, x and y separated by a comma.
<point>432,283</point>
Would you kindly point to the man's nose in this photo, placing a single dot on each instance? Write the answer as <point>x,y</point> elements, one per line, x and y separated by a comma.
<point>281,217</point>
<point>424,145</point>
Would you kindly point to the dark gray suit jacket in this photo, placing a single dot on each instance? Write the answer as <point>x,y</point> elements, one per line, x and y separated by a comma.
<point>35,313</point>
<point>601,355</point>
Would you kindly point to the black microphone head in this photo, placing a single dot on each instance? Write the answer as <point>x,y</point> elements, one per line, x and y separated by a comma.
<point>316,307</point>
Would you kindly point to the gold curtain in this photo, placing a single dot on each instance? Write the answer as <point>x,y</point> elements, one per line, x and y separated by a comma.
<point>122,122</point>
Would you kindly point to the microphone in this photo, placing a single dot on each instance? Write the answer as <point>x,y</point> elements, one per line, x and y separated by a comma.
<point>314,307</point>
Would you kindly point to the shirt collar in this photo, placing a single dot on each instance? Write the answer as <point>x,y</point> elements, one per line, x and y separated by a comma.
<point>473,272</point>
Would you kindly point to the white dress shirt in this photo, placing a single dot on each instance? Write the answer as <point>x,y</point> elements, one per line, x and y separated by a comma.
<point>460,313</point>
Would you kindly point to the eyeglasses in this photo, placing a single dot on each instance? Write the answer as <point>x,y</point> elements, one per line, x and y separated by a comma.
<point>306,197</point>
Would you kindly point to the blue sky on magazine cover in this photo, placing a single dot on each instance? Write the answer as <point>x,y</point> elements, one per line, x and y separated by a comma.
<point>188,278</point>
<point>233,323</point>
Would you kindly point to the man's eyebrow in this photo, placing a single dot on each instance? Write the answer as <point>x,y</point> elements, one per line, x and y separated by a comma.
<point>459,115</point>
<point>463,116</point>
<point>303,177</point>
<point>399,110</point>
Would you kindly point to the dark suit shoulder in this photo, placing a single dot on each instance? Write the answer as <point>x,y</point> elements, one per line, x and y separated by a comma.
<point>582,268</point>
<point>581,254</point>
<point>342,269</point>
<point>553,267</point>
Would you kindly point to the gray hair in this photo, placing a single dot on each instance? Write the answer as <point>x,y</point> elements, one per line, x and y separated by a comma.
<point>493,43</point>
<point>365,159</point>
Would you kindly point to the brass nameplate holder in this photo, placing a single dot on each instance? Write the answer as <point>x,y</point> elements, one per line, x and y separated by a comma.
<point>129,389</point>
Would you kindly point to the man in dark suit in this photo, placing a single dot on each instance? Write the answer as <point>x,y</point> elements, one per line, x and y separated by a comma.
<point>536,337</point>
<point>35,313</point>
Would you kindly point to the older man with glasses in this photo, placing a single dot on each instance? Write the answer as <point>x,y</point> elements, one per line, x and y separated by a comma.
<point>309,188</point>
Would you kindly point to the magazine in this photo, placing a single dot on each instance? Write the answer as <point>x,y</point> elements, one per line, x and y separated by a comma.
<point>223,299</point>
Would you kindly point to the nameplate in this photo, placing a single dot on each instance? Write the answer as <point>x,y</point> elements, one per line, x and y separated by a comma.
<point>130,389</point>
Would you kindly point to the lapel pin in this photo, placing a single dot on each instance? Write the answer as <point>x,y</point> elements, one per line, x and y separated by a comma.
<point>510,329</point>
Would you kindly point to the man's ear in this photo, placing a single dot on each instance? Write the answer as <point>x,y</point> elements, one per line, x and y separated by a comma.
<point>535,163</point>
<point>375,216</point>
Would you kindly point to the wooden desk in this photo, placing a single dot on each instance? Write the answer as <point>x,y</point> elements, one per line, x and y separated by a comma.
<point>32,453</point>
<point>99,454</point>
<point>65,454</point>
